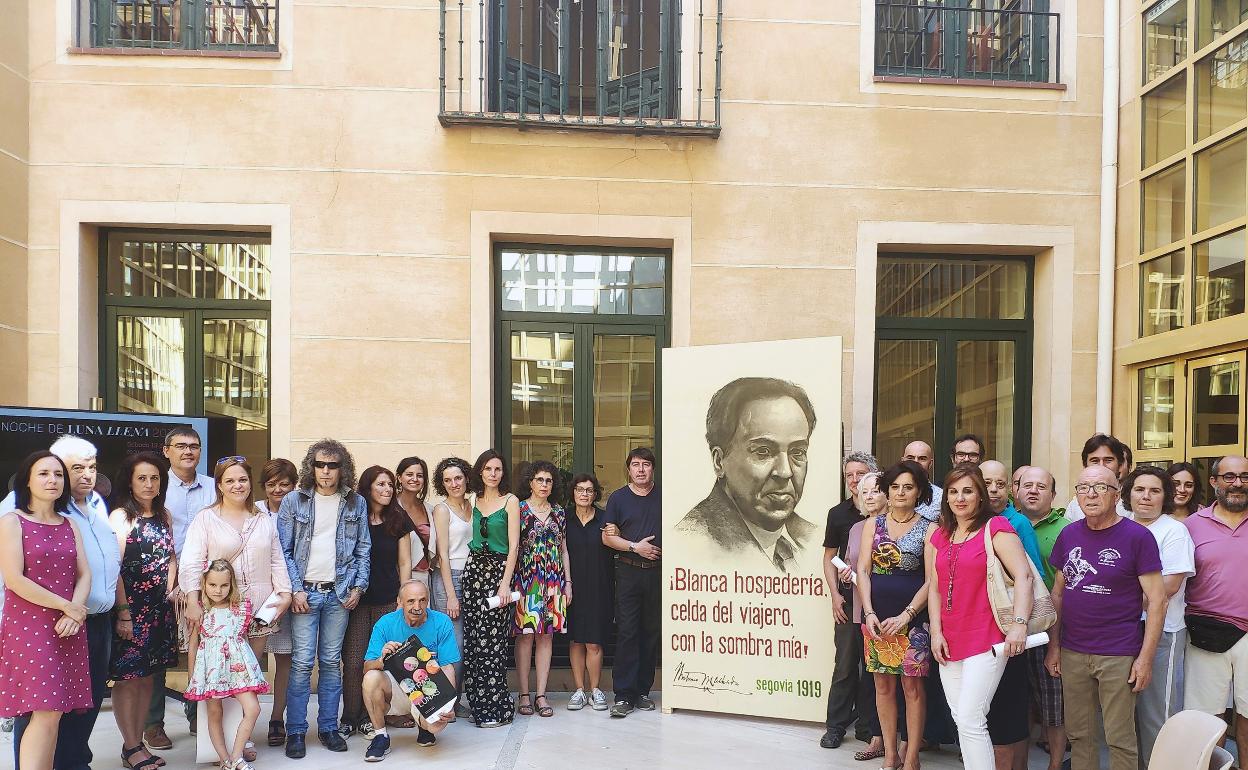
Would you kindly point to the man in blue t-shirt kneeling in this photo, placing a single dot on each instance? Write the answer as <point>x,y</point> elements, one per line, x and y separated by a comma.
<point>382,695</point>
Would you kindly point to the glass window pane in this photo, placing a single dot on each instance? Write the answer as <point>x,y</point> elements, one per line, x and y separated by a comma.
<point>905,402</point>
<point>1220,177</point>
<point>196,269</point>
<point>542,380</point>
<point>236,370</point>
<point>624,403</point>
<point>1163,208</point>
<point>1219,270</point>
<point>1217,17</point>
<point>917,286</point>
<point>1165,119</point>
<point>151,364</point>
<point>985,395</point>
<point>1215,404</point>
<point>1157,407</point>
<point>1220,92</point>
<point>1204,467</point>
<point>567,282</point>
<point>1161,294</point>
<point>1165,37</point>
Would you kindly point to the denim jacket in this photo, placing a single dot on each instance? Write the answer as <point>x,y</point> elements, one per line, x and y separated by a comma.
<point>352,543</point>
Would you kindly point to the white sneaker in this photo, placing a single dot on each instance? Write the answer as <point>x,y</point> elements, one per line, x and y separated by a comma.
<point>577,701</point>
<point>599,700</point>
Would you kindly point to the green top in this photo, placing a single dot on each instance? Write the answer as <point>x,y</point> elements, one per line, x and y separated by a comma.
<point>495,525</point>
<point>1047,530</point>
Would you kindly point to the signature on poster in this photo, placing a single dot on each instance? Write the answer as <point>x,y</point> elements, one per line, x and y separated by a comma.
<point>699,680</point>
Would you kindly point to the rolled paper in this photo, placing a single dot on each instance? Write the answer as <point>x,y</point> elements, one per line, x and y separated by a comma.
<point>839,563</point>
<point>1033,640</point>
<point>493,603</point>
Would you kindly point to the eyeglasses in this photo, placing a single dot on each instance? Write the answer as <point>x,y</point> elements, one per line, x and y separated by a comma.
<point>1231,478</point>
<point>185,447</point>
<point>544,481</point>
<point>965,457</point>
<point>584,490</point>
<point>235,458</point>
<point>330,464</point>
<point>1099,487</point>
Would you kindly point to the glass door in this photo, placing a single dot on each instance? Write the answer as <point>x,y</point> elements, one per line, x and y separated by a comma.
<point>625,400</point>
<point>148,358</point>
<point>637,62</point>
<point>542,395</point>
<point>1215,411</point>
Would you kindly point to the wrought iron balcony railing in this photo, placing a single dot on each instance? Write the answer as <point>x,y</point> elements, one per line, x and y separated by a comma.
<point>925,40</point>
<point>204,25</point>
<point>641,66</point>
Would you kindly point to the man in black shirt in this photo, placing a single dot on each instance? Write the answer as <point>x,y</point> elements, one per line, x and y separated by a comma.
<point>843,693</point>
<point>634,527</point>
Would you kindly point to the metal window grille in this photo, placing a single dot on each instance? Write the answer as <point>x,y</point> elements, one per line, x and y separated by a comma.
<point>230,25</point>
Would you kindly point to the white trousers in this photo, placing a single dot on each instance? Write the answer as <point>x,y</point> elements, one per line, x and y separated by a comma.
<point>969,687</point>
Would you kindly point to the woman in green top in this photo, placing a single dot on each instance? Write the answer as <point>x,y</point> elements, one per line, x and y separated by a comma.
<point>491,561</point>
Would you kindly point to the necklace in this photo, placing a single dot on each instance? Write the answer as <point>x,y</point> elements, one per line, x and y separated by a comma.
<point>955,553</point>
<point>901,521</point>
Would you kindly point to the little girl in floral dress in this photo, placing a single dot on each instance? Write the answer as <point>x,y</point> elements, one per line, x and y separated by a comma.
<point>222,664</point>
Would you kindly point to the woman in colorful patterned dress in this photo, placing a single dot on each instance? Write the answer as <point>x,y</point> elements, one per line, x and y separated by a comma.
<point>222,663</point>
<point>892,587</point>
<point>543,578</point>
<point>43,671</point>
<point>146,633</point>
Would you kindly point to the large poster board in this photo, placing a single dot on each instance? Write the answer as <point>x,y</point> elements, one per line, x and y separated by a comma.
<point>751,453</point>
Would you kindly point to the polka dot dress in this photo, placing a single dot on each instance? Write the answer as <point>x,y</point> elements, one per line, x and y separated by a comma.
<point>38,670</point>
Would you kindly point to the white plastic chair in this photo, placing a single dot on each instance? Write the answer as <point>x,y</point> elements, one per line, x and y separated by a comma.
<point>1189,741</point>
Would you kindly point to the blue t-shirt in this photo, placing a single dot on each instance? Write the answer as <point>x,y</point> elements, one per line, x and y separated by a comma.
<point>637,516</point>
<point>1027,534</point>
<point>1102,600</point>
<point>436,633</point>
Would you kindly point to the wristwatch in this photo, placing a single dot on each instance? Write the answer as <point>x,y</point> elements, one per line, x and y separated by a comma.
<point>1020,620</point>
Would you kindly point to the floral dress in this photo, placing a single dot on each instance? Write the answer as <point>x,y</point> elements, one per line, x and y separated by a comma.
<point>224,662</point>
<point>145,575</point>
<point>896,575</point>
<point>539,577</point>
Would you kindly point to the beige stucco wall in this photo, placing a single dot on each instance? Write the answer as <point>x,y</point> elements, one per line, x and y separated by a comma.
<point>14,154</point>
<point>385,334</point>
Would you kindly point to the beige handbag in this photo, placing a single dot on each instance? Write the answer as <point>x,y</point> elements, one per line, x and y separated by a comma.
<point>1001,593</point>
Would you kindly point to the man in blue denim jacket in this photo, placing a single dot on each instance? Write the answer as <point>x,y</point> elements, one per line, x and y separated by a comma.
<point>323,526</point>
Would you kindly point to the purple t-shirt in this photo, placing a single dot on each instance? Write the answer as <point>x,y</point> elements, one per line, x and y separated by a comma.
<point>1103,600</point>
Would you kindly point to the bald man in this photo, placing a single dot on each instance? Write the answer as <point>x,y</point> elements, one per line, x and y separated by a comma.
<point>1108,567</point>
<point>382,695</point>
<point>997,481</point>
<point>921,453</point>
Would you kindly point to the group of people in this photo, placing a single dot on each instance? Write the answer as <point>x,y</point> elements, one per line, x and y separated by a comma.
<point>325,570</point>
<point>1143,615</point>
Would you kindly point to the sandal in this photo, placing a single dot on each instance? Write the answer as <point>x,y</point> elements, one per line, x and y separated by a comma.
<point>544,711</point>
<point>277,733</point>
<point>151,760</point>
<point>249,753</point>
<point>524,708</point>
<point>869,754</point>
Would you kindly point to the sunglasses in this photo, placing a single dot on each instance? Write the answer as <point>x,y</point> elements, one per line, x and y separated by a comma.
<point>330,464</point>
<point>235,459</point>
<point>485,529</point>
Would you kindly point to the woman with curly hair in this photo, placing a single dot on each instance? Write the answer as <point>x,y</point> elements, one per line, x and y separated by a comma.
<point>591,622</point>
<point>892,588</point>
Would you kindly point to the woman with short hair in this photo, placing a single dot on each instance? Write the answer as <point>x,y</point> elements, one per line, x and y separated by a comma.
<point>591,620</point>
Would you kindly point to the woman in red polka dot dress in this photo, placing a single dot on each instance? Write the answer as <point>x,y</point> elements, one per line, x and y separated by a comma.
<point>43,670</point>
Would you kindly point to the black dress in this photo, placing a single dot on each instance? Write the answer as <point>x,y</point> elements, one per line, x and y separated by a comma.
<point>591,615</point>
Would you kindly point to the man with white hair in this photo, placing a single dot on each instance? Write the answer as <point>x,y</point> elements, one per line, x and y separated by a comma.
<point>90,512</point>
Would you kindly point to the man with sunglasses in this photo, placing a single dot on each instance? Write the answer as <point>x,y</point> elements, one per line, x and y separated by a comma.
<point>323,529</point>
<point>1217,607</point>
<point>189,493</point>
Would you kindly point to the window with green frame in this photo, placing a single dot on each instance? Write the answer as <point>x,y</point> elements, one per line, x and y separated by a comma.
<point>184,328</point>
<point>578,333</point>
<point>204,25</point>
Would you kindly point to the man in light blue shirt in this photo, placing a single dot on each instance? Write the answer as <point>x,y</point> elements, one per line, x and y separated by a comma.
<point>90,512</point>
<point>189,493</point>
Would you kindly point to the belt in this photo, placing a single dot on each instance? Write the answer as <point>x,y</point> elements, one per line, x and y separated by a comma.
<point>636,561</point>
<point>321,588</point>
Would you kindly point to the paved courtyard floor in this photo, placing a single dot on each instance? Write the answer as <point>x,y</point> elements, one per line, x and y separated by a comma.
<point>580,740</point>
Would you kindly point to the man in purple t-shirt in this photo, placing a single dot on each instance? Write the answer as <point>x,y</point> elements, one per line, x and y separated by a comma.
<point>1107,567</point>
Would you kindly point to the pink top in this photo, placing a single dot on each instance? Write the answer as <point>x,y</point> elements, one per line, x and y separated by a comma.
<point>969,625</point>
<point>1217,589</point>
<point>255,554</point>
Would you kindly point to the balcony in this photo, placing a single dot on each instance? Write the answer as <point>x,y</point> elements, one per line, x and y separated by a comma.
<point>157,26</point>
<point>634,66</point>
<point>1011,45</point>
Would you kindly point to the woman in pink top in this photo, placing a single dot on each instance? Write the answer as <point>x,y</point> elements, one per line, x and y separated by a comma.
<point>963,625</point>
<point>232,529</point>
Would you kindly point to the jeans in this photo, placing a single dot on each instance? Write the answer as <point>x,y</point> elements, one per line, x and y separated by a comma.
<point>639,615</point>
<point>438,599</point>
<point>1163,698</point>
<point>316,637</point>
<point>72,751</point>
<point>1089,681</point>
<point>969,686</point>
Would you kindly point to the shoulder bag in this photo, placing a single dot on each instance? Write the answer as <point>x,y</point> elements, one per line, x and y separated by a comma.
<point>1001,593</point>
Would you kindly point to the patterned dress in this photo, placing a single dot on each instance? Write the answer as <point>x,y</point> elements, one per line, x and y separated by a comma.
<point>487,641</point>
<point>539,577</point>
<point>39,671</point>
<point>896,576</point>
<point>145,575</point>
<point>224,662</point>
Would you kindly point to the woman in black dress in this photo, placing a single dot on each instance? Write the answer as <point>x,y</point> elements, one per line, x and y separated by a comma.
<point>591,618</point>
